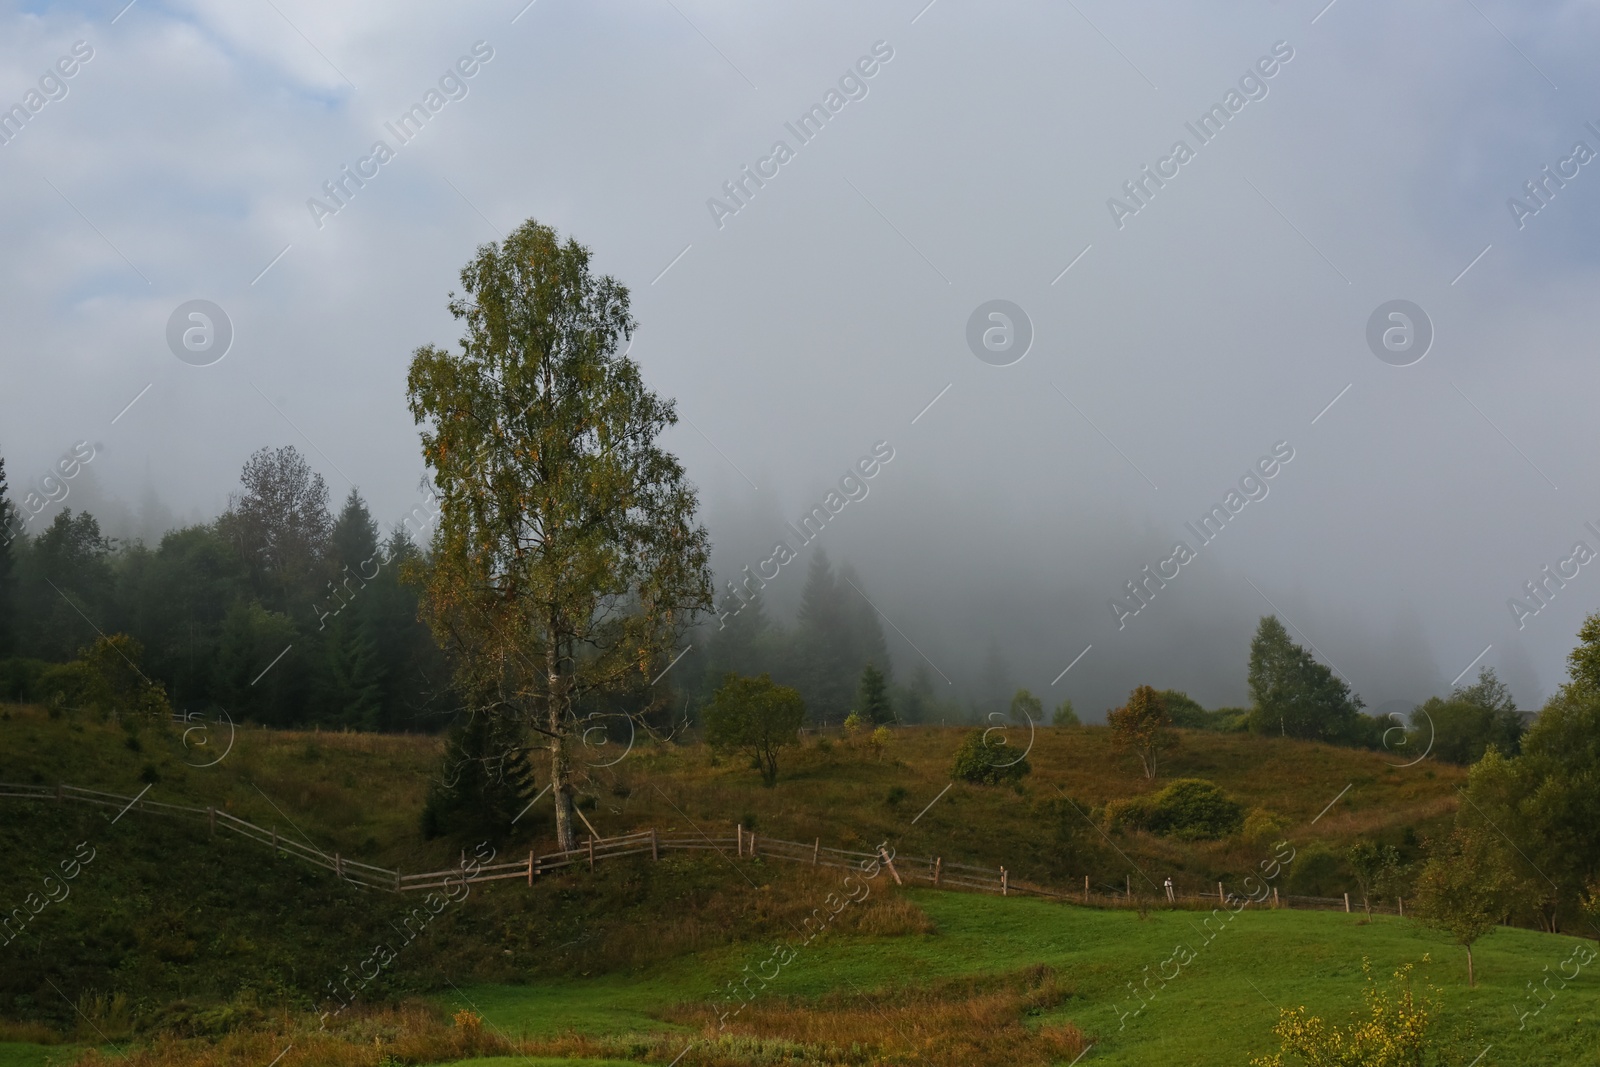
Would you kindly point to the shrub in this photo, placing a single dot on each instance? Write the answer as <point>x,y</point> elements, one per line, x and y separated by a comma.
<point>879,741</point>
<point>1262,825</point>
<point>1065,715</point>
<point>1189,809</point>
<point>986,759</point>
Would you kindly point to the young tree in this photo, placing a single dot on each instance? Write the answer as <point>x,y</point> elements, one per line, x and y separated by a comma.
<point>485,783</point>
<point>567,555</point>
<point>1294,694</point>
<point>1467,723</point>
<point>1462,890</point>
<point>1376,867</point>
<point>1065,715</point>
<point>872,696</point>
<point>756,717</point>
<point>1142,726</point>
<point>1026,707</point>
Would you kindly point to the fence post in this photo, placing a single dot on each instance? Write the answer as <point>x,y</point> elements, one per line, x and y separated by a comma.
<point>1347,903</point>
<point>591,853</point>
<point>338,866</point>
<point>883,854</point>
<point>655,851</point>
<point>1402,902</point>
<point>211,813</point>
<point>1002,881</point>
<point>752,844</point>
<point>530,868</point>
<point>938,862</point>
<point>1128,879</point>
<point>1220,898</point>
<point>1086,889</point>
<point>1274,896</point>
<point>397,879</point>
<point>738,837</point>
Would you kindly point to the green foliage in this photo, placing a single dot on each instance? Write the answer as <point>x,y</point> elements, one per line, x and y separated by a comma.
<point>1463,890</point>
<point>1184,710</point>
<point>1545,798</point>
<point>1142,726</point>
<point>1470,721</point>
<point>1187,809</point>
<point>756,717</point>
<point>567,556</point>
<point>987,758</point>
<point>485,782</point>
<point>1295,696</point>
<point>1376,867</point>
<point>1065,715</point>
<point>872,696</point>
<point>1025,707</point>
<point>1261,825</point>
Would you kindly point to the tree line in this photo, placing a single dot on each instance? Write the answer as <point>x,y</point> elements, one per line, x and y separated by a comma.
<point>210,608</point>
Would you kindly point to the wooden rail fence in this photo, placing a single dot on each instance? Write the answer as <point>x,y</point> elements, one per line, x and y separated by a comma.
<point>906,870</point>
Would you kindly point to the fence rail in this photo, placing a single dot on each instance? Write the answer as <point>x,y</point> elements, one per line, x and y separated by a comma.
<point>915,870</point>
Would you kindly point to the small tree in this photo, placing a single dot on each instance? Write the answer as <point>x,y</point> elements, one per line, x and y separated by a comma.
<point>1376,867</point>
<point>879,741</point>
<point>1026,707</point>
<point>1142,725</point>
<point>1462,890</point>
<point>1065,715</point>
<point>986,759</point>
<point>756,717</point>
<point>872,696</point>
<point>486,780</point>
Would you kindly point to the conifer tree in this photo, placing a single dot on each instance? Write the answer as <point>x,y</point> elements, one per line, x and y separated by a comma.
<point>485,783</point>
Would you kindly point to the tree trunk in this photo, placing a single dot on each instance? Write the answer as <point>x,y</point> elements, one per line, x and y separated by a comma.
<point>1471,979</point>
<point>560,766</point>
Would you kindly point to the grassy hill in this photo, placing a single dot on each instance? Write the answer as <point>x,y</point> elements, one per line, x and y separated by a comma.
<point>169,931</point>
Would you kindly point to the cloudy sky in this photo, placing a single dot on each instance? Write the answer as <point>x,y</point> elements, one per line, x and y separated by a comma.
<point>1176,339</point>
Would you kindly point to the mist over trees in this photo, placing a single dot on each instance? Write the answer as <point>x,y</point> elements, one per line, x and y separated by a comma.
<point>215,605</point>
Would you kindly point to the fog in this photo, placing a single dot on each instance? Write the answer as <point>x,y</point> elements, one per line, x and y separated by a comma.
<point>1173,346</point>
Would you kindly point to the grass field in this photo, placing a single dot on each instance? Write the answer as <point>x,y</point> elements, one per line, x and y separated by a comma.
<point>1219,1010</point>
<point>624,964</point>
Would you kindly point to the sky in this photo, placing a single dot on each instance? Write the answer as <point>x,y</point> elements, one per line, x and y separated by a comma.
<point>1182,338</point>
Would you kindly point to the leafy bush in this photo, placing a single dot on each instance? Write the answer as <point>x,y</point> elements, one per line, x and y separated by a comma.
<point>986,759</point>
<point>1262,825</point>
<point>1189,809</point>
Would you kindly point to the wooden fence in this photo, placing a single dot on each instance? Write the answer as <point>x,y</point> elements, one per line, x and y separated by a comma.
<point>931,871</point>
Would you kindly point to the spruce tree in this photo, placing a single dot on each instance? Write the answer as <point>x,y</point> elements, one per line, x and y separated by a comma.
<point>485,782</point>
<point>872,697</point>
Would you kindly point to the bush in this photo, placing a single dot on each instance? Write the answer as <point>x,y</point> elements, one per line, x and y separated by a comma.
<point>19,679</point>
<point>1189,809</point>
<point>1262,825</point>
<point>986,759</point>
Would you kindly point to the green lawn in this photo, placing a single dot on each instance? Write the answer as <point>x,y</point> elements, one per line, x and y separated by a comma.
<point>14,1054</point>
<point>1219,1010</point>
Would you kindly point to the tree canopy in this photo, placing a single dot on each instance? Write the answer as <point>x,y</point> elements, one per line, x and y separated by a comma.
<point>567,558</point>
<point>1295,696</point>
<point>757,717</point>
